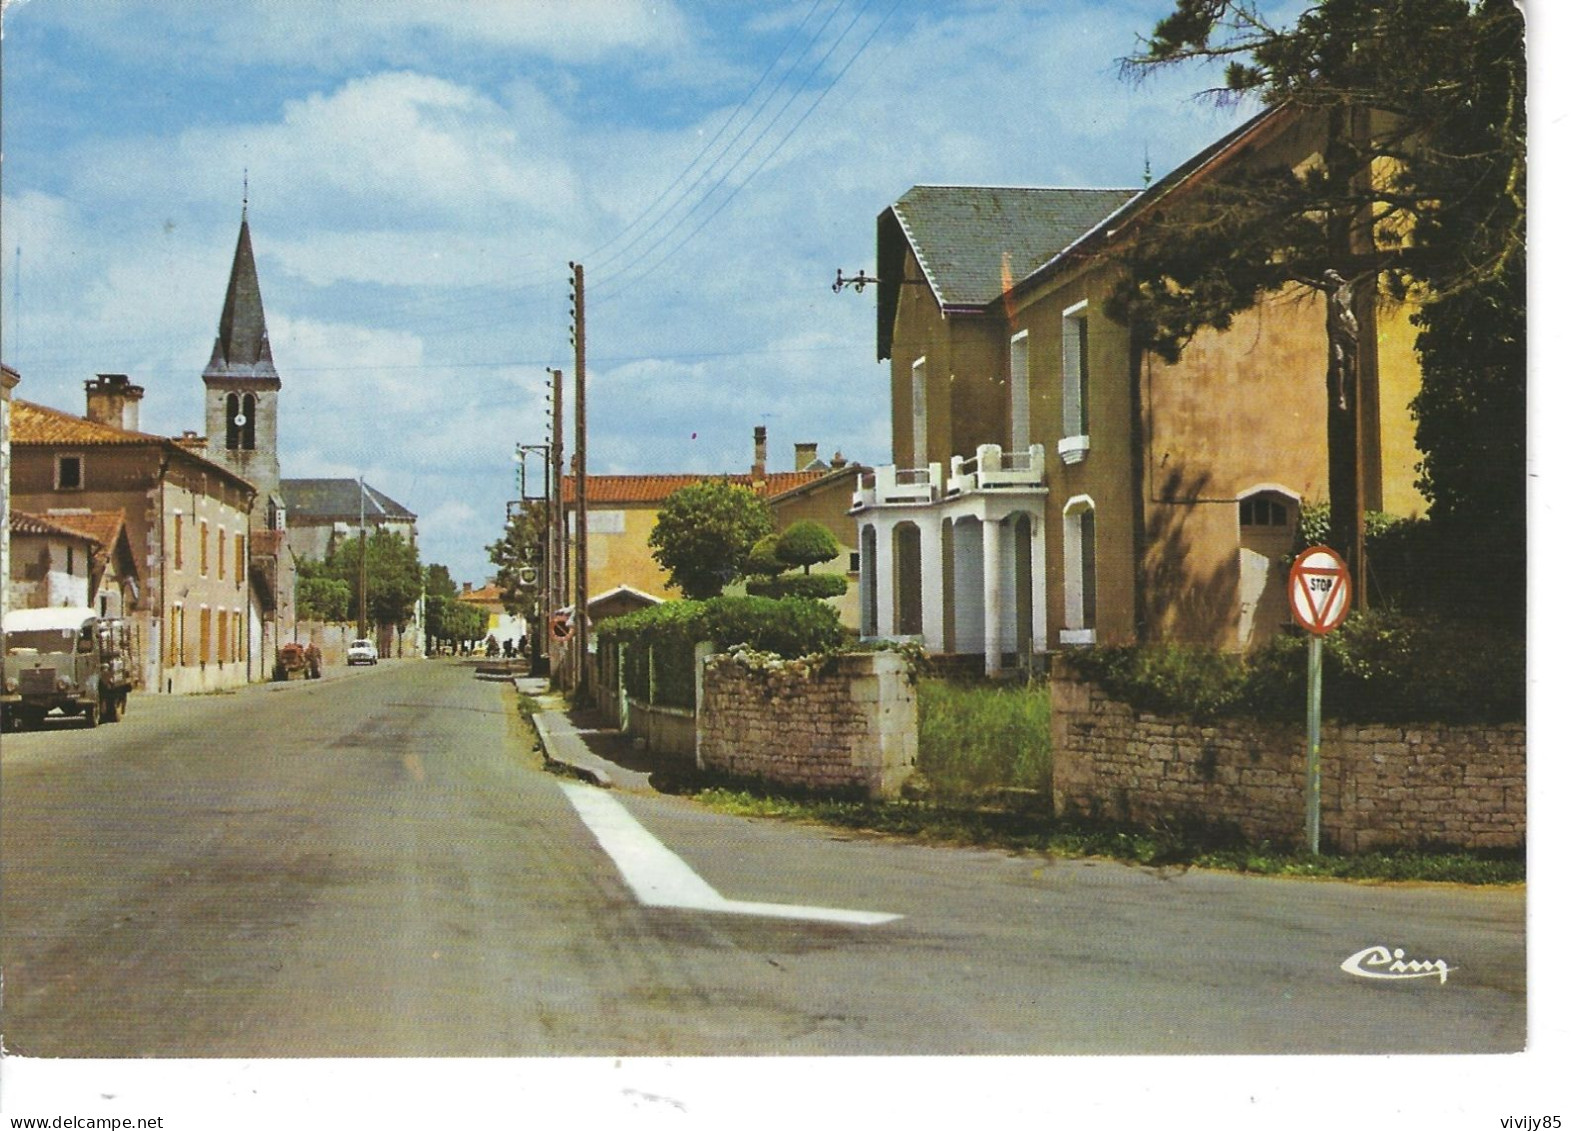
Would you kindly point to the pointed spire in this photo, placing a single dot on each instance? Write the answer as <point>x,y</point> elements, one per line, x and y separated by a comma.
<point>241,348</point>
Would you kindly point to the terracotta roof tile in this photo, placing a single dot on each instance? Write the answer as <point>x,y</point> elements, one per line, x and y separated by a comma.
<point>489,593</point>
<point>633,489</point>
<point>24,523</point>
<point>103,527</point>
<point>37,424</point>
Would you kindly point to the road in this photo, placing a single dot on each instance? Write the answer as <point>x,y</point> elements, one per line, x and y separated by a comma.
<point>376,865</point>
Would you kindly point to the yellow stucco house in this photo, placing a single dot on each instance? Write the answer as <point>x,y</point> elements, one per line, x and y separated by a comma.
<point>622,510</point>
<point>1054,484</point>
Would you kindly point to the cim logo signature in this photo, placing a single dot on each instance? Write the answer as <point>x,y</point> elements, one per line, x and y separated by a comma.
<point>1387,965</point>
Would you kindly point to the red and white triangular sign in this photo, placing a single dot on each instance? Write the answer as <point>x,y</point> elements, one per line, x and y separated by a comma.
<point>1320,590</point>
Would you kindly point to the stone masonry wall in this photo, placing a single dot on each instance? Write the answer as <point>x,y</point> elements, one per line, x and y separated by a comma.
<point>1381,785</point>
<point>848,725</point>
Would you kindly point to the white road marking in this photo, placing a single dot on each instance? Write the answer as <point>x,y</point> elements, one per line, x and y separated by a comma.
<point>660,878</point>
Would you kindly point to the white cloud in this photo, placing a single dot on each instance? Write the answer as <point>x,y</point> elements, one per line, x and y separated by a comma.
<point>338,33</point>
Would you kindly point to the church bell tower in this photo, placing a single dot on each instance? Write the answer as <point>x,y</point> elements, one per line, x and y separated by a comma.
<point>242,385</point>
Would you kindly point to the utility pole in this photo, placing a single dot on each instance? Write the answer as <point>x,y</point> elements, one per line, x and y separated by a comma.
<point>362,484</point>
<point>580,508</point>
<point>557,590</point>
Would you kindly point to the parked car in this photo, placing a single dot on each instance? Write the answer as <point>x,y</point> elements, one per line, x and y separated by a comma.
<point>362,652</point>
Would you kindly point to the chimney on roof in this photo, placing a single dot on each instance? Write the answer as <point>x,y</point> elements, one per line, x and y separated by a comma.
<point>758,454</point>
<point>468,587</point>
<point>113,400</point>
<point>192,442</point>
<point>806,454</point>
<point>838,461</point>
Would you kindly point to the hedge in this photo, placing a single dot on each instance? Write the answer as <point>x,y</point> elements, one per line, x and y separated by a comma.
<point>1380,667</point>
<point>790,628</point>
<point>809,586</point>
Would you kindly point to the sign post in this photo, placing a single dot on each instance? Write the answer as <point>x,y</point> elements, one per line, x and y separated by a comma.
<point>1319,587</point>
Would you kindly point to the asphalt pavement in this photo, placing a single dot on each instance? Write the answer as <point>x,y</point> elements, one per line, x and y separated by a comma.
<point>376,864</point>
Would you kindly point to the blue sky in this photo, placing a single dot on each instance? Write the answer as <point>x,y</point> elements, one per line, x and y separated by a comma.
<point>421,174</point>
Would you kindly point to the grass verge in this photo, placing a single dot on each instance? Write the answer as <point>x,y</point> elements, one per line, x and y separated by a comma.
<point>929,822</point>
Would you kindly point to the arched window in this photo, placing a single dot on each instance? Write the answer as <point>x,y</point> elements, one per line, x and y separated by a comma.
<point>232,422</point>
<point>1080,571</point>
<point>1268,524</point>
<point>248,427</point>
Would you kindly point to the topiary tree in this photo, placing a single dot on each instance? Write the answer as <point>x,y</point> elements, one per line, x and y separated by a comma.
<point>802,544</point>
<point>763,559</point>
<point>704,533</point>
<point>806,544</point>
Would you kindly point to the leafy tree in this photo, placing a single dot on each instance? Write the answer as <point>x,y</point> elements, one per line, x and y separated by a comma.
<point>703,534</point>
<point>320,595</point>
<point>520,558</point>
<point>393,576</point>
<point>1421,192</point>
<point>451,621</point>
<point>439,582</point>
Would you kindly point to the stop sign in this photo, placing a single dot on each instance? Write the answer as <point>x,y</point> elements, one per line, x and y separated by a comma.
<point>1320,590</point>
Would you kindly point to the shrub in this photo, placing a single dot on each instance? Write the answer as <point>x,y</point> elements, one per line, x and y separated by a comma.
<point>810,586</point>
<point>1380,666</point>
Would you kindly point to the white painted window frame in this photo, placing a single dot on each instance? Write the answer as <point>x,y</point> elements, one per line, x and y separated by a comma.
<point>1020,391</point>
<point>1075,630</point>
<point>1075,430</point>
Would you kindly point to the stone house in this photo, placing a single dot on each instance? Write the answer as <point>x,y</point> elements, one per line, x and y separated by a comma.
<point>1054,484</point>
<point>73,556</point>
<point>187,523</point>
<point>115,582</point>
<point>52,563</point>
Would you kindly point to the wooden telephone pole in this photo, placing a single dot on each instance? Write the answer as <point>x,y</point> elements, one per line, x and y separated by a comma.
<point>580,507</point>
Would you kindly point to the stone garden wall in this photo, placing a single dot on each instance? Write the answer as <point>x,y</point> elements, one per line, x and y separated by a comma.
<point>1381,785</point>
<point>848,723</point>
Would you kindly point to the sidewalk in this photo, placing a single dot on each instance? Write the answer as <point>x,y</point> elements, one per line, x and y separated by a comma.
<point>606,757</point>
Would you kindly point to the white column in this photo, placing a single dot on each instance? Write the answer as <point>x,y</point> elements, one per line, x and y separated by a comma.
<point>933,583</point>
<point>993,658</point>
<point>884,574</point>
<point>1039,583</point>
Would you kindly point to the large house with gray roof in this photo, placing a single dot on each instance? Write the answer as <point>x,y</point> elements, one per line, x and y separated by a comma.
<point>323,513</point>
<point>1053,483</point>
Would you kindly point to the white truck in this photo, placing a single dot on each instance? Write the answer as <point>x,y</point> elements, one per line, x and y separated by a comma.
<point>67,659</point>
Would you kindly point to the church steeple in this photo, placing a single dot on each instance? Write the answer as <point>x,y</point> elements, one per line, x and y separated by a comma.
<point>242,386</point>
<point>241,348</point>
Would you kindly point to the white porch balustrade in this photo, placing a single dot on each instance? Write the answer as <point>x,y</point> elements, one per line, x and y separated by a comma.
<point>959,565</point>
<point>892,486</point>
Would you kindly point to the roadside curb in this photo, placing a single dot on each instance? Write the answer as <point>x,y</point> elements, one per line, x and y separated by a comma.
<point>592,774</point>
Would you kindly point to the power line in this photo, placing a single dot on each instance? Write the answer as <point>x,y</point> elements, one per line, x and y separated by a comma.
<point>758,168</point>
<point>737,109</point>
